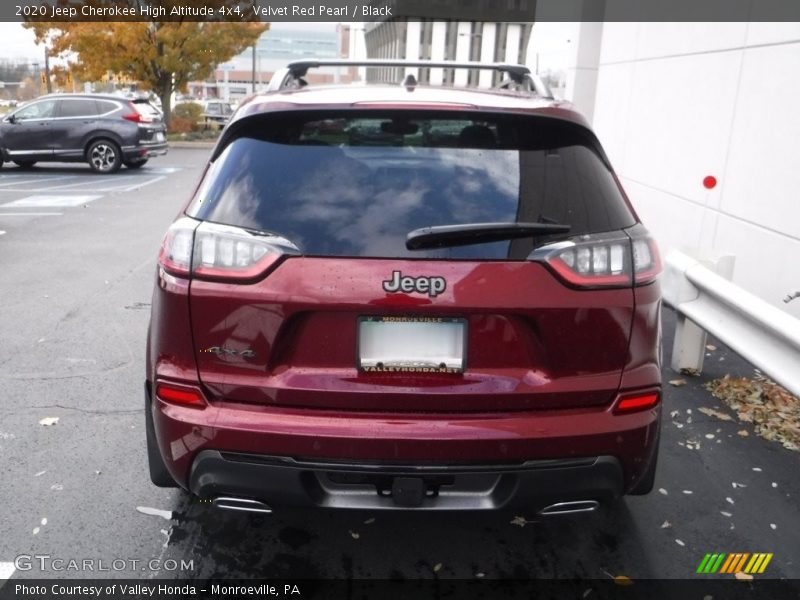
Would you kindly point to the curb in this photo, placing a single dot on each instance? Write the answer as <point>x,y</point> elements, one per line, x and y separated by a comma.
<point>193,145</point>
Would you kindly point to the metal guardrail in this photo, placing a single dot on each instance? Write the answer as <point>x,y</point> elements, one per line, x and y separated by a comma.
<point>764,335</point>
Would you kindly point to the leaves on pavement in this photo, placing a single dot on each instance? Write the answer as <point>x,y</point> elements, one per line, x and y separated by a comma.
<point>773,410</point>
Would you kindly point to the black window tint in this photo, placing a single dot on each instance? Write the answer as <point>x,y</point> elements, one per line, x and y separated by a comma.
<point>355,186</point>
<point>79,107</point>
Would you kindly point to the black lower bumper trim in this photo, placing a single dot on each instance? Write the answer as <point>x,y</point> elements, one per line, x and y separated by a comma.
<point>286,482</point>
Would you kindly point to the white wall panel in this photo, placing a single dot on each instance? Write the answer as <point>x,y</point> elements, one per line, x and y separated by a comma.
<point>681,111</point>
<point>670,39</point>
<point>762,179</point>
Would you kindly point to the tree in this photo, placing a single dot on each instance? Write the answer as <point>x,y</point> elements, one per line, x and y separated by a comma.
<point>163,56</point>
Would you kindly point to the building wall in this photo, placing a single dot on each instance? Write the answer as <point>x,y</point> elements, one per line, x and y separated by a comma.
<point>676,102</point>
<point>439,40</point>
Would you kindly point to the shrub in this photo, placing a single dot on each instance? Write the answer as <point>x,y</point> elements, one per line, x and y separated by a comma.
<point>180,124</point>
<point>191,111</point>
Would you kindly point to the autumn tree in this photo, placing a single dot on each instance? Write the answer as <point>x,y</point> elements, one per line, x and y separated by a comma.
<point>163,56</point>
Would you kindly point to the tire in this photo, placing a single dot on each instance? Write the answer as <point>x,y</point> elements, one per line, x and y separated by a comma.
<point>135,164</point>
<point>24,164</point>
<point>104,156</point>
<point>158,470</point>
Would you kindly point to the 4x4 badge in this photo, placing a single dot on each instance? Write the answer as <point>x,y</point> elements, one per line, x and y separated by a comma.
<point>433,286</point>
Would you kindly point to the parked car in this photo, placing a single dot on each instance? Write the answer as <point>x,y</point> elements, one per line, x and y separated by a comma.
<point>406,297</point>
<point>217,111</point>
<point>105,131</point>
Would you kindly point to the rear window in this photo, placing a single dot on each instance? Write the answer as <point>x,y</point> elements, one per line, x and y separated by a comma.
<point>345,184</point>
<point>146,109</point>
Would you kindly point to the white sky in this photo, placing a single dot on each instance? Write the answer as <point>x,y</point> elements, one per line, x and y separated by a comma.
<point>16,42</point>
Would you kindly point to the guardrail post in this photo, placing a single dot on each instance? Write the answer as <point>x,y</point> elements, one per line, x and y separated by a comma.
<point>689,345</point>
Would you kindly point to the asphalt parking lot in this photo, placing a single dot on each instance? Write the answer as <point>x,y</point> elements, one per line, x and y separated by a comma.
<point>77,253</point>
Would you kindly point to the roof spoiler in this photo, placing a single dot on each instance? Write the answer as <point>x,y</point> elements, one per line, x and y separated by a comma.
<point>519,76</point>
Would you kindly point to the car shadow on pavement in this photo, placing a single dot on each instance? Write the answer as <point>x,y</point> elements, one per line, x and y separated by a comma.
<point>405,545</point>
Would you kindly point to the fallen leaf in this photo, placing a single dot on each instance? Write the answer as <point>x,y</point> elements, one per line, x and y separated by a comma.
<point>354,534</point>
<point>44,522</point>
<point>369,521</point>
<point>674,413</point>
<point>690,372</point>
<point>742,576</point>
<point>47,421</point>
<point>666,524</point>
<point>729,500</point>
<point>677,382</point>
<point>662,491</point>
<point>774,484</point>
<point>743,432</point>
<point>437,567</point>
<point>587,592</point>
<point>680,542</point>
<point>520,521</point>
<point>710,347</point>
<point>623,580</point>
<point>773,526</point>
<point>709,436</point>
<point>715,413</point>
<point>40,473</point>
<point>479,575</point>
<point>725,513</point>
<point>708,597</point>
<point>757,469</point>
<point>35,530</point>
<point>688,492</point>
<point>735,485</point>
<point>688,411</point>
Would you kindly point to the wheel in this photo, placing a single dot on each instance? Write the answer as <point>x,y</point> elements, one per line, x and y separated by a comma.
<point>25,164</point>
<point>158,470</point>
<point>135,164</point>
<point>104,156</point>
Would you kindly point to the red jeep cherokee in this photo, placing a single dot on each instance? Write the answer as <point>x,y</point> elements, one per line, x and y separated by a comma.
<point>397,296</point>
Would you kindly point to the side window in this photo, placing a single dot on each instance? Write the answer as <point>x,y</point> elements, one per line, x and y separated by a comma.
<point>105,107</point>
<point>38,110</point>
<point>78,107</point>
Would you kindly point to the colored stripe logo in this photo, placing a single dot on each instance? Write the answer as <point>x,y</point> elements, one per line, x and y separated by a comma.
<point>720,562</point>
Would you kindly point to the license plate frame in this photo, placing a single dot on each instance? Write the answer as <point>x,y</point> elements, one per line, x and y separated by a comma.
<point>453,332</point>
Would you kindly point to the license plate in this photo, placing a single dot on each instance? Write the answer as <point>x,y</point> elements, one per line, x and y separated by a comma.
<point>411,344</point>
<point>159,137</point>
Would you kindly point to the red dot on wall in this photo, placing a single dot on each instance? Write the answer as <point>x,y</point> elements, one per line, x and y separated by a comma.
<point>709,182</point>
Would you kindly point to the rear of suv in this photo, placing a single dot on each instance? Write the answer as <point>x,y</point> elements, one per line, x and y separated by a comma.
<point>105,131</point>
<point>400,297</point>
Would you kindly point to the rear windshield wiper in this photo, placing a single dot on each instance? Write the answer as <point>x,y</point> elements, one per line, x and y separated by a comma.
<point>445,236</point>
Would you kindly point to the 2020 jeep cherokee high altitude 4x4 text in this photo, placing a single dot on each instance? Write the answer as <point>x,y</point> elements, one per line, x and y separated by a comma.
<point>406,297</point>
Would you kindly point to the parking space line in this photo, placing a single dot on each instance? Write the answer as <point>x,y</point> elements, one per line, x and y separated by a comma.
<point>39,180</point>
<point>29,214</point>
<point>89,181</point>
<point>51,201</point>
<point>136,186</point>
<point>6,570</point>
<point>2,232</point>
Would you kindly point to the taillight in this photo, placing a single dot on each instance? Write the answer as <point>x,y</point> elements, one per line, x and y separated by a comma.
<point>220,252</point>
<point>638,402</point>
<point>602,260</point>
<point>175,256</point>
<point>178,394</point>
<point>135,115</point>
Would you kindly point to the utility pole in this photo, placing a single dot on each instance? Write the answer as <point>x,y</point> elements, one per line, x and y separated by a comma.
<point>48,83</point>
<point>254,67</point>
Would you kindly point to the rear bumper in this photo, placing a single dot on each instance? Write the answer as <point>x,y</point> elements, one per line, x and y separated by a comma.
<point>284,456</point>
<point>286,482</point>
<point>144,151</point>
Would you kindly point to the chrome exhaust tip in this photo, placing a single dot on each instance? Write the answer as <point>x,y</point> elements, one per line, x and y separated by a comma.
<point>566,508</point>
<point>241,504</point>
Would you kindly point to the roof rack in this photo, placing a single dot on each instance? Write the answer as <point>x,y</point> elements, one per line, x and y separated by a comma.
<point>519,76</point>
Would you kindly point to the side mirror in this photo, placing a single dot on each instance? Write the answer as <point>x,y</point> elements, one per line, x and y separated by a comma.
<point>11,119</point>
